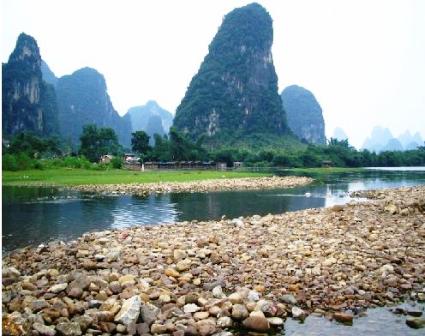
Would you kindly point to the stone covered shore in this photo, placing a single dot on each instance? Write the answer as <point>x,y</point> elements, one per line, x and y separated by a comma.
<point>212,278</point>
<point>225,184</point>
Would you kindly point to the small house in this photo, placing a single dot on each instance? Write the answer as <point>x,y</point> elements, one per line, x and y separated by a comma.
<point>106,158</point>
<point>326,164</point>
<point>221,165</point>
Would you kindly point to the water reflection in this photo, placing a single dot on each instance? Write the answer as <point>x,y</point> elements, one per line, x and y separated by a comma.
<point>35,215</point>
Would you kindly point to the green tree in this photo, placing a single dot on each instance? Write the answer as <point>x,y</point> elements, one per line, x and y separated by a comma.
<point>140,142</point>
<point>96,142</point>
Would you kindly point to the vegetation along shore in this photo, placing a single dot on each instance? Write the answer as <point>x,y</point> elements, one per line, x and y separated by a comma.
<point>201,278</point>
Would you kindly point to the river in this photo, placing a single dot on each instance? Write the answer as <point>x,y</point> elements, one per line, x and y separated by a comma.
<point>33,215</point>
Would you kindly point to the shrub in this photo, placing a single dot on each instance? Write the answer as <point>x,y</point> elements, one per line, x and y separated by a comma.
<point>9,162</point>
<point>116,162</point>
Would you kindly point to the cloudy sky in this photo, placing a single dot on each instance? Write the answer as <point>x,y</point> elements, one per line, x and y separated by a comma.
<point>363,60</point>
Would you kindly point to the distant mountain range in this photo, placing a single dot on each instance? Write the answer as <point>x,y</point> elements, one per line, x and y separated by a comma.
<point>150,118</point>
<point>381,139</point>
<point>339,134</point>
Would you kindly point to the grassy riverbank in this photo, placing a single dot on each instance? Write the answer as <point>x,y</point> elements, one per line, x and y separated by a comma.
<point>69,177</point>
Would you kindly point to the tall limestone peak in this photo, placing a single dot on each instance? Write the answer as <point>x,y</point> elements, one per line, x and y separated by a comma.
<point>29,104</point>
<point>26,53</point>
<point>83,99</point>
<point>304,114</point>
<point>235,90</point>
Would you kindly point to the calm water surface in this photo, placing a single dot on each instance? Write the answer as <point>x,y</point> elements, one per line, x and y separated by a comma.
<point>32,215</point>
<point>36,215</point>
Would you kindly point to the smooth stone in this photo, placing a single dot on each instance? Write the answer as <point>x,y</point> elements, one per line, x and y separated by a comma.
<point>206,327</point>
<point>257,321</point>
<point>239,312</point>
<point>288,298</point>
<point>297,312</point>
<point>275,321</point>
<point>235,298</point>
<point>201,315</point>
<point>225,322</point>
<point>253,295</point>
<point>190,308</point>
<point>58,288</point>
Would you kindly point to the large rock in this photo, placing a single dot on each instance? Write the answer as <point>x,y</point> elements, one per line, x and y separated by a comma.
<point>130,311</point>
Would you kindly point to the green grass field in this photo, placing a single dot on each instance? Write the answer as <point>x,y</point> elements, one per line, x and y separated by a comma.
<point>66,176</point>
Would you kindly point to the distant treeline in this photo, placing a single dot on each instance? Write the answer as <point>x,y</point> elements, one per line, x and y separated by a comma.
<point>27,151</point>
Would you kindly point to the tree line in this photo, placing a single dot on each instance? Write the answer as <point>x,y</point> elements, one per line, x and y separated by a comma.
<point>28,151</point>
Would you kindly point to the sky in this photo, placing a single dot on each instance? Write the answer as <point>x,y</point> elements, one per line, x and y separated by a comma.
<point>363,60</point>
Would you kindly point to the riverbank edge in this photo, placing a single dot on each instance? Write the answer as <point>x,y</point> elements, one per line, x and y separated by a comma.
<point>210,276</point>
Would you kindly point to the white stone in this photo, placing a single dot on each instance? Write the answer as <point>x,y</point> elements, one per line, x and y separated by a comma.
<point>130,311</point>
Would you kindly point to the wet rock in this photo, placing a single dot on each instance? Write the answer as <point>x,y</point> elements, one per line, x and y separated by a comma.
<point>415,322</point>
<point>415,313</point>
<point>345,318</point>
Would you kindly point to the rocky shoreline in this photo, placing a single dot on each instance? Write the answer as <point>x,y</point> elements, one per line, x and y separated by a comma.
<point>211,278</point>
<point>225,184</point>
